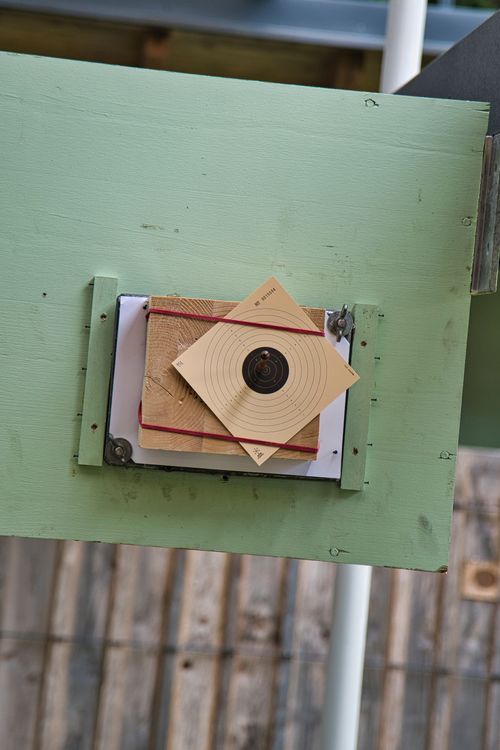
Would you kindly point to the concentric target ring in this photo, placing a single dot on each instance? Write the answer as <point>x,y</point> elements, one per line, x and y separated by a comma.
<point>264,413</point>
<point>265,370</point>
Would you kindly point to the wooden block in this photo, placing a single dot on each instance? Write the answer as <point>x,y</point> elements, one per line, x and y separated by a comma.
<point>168,400</point>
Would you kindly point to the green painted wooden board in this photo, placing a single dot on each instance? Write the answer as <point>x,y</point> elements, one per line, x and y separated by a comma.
<point>480,423</point>
<point>205,187</point>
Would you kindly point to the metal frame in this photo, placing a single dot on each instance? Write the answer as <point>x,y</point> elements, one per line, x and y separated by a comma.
<point>355,24</point>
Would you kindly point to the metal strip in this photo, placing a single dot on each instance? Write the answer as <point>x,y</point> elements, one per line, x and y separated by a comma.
<point>99,358</point>
<point>359,399</point>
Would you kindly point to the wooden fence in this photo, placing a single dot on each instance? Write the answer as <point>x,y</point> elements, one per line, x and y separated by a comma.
<point>108,647</point>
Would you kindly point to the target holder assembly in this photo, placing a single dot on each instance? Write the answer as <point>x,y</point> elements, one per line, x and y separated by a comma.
<point>340,430</point>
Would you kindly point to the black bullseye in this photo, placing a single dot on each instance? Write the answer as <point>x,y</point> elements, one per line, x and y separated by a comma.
<point>265,370</point>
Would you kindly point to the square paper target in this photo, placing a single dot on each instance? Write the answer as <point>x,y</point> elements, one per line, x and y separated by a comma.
<point>267,374</point>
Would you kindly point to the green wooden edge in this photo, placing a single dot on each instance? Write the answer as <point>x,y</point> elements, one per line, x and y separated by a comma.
<point>95,399</point>
<point>359,399</point>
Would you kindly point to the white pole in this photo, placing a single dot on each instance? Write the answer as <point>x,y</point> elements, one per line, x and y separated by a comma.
<point>344,673</point>
<point>346,658</point>
<point>404,41</point>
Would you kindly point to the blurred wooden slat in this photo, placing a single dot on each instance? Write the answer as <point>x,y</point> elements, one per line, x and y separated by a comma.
<point>311,633</point>
<point>131,658</point>
<point>229,642</point>
<point>441,698</point>
<point>78,39</point>
<point>393,696</point>
<point>420,658</point>
<point>251,695</point>
<point>72,679</point>
<point>483,487</point>
<point>376,648</point>
<point>188,52</point>
<point>194,682</point>
<point>476,620</point>
<point>27,578</point>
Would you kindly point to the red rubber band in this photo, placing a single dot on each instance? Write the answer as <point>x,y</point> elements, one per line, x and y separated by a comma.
<point>228,438</point>
<point>235,321</point>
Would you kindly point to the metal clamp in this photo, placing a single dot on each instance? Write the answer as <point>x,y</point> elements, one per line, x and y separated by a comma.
<point>117,451</point>
<point>341,323</point>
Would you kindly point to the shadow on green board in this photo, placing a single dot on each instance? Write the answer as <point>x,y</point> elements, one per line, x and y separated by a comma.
<point>480,422</point>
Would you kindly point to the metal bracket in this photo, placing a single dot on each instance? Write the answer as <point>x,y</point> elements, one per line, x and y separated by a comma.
<point>487,246</point>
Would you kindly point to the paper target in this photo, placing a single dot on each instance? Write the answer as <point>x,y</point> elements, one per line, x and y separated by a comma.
<point>277,401</point>
<point>263,383</point>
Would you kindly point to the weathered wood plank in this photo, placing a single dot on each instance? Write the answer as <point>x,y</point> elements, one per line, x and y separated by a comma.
<point>476,619</point>
<point>133,649</point>
<point>188,51</point>
<point>162,696</point>
<point>311,633</point>
<point>229,644</point>
<point>251,689</point>
<point>375,658</point>
<point>194,679</point>
<point>420,659</point>
<point>397,646</point>
<point>442,688</point>
<point>26,594</point>
<point>74,664</point>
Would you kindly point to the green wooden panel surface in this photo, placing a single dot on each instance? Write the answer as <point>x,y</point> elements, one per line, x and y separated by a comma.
<point>205,187</point>
<point>97,372</point>
<point>359,398</point>
<point>480,423</point>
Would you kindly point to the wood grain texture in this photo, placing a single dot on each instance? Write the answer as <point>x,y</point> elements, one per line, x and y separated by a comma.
<point>188,51</point>
<point>133,649</point>
<point>375,660</point>
<point>475,623</point>
<point>195,672</point>
<point>27,572</point>
<point>251,690</point>
<point>187,185</point>
<point>73,669</point>
<point>168,400</point>
<point>311,632</point>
